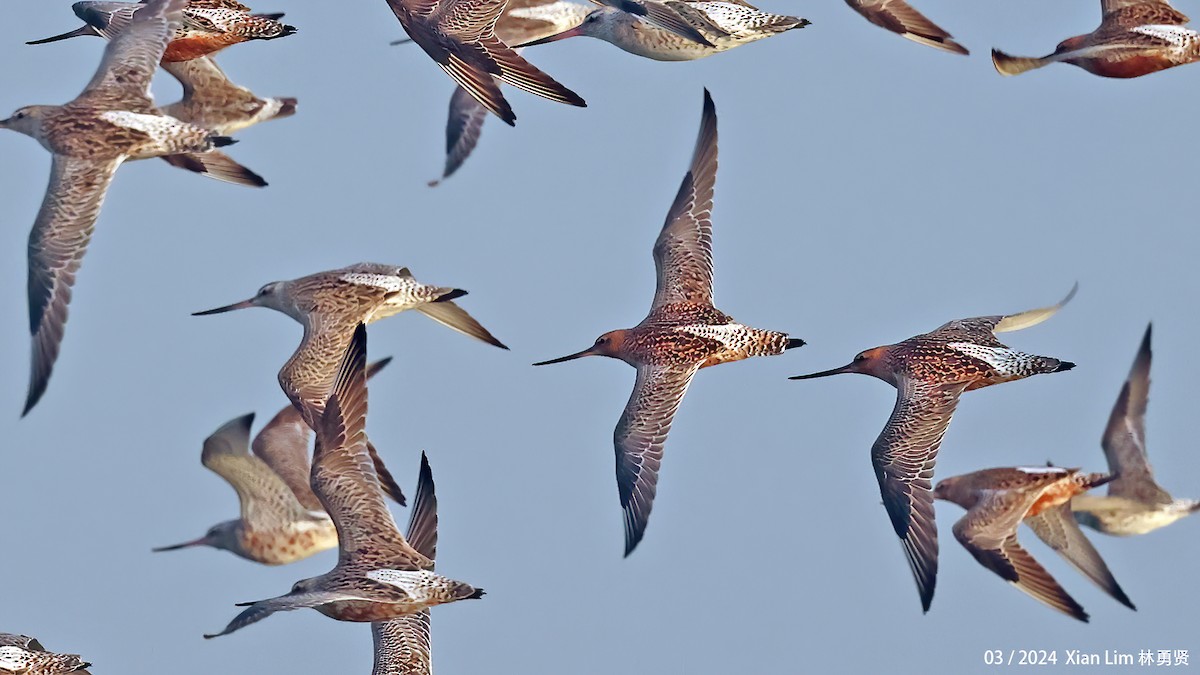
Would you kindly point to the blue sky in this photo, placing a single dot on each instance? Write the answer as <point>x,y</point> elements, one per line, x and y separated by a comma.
<point>870,189</point>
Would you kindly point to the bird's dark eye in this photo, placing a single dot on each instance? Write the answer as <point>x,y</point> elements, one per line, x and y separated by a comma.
<point>601,340</point>
<point>265,290</point>
<point>860,357</point>
<point>19,116</point>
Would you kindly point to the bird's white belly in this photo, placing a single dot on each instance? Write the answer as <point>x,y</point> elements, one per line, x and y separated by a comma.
<point>1123,517</point>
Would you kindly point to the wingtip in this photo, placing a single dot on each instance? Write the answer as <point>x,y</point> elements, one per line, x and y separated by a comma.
<point>633,533</point>
<point>926,599</point>
<point>1120,596</point>
<point>36,391</point>
<point>245,421</point>
<point>793,343</point>
<point>376,366</point>
<point>1063,366</point>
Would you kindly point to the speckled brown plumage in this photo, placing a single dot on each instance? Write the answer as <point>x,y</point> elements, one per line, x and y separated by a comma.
<point>329,305</point>
<point>402,644</point>
<point>23,655</point>
<point>998,500</point>
<point>282,521</point>
<point>274,528</point>
<point>521,21</point>
<point>460,37</point>
<point>677,30</point>
<point>901,18</point>
<point>112,121</point>
<point>379,575</point>
<point>930,372</point>
<point>206,26</point>
<point>1135,38</point>
<point>212,101</point>
<point>683,333</point>
<point>209,101</point>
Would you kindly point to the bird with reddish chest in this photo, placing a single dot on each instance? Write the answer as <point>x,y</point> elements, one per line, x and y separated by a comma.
<point>1135,38</point>
<point>683,333</point>
<point>930,372</point>
<point>208,26</point>
<point>999,500</point>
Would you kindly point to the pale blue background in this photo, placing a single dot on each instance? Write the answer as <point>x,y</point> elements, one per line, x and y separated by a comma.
<point>870,189</point>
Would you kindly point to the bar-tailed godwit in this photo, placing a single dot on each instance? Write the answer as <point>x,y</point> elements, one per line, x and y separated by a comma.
<point>402,644</point>
<point>206,27</point>
<point>211,101</point>
<point>460,37</point>
<point>378,576</point>
<point>112,121</point>
<point>683,333</point>
<point>281,521</point>
<point>721,25</point>
<point>521,21</point>
<point>929,373</point>
<point>999,500</point>
<point>274,527</point>
<point>1135,503</point>
<point>901,18</point>
<point>329,305</point>
<point>1135,38</point>
<point>23,655</point>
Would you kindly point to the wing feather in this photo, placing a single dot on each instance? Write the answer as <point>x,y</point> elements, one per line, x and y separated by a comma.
<point>683,251</point>
<point>344,474</point>
<point>266,501</point>
<point>639,438</point>
<point>1058,529</point>
<point>904,456</point>
<point>901,18</point>
<point>402,645</point>
<point>132,57</point>
<point>57,243</point>
<point>1124,440</point>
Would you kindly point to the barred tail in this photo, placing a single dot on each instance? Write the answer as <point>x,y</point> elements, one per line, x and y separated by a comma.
<point>1046,364</point>
<point>770,343</point>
